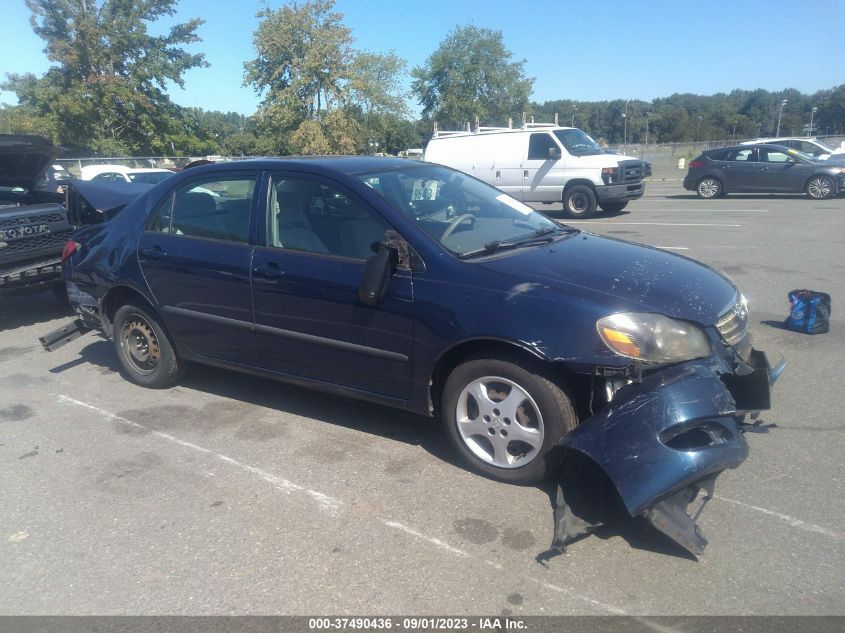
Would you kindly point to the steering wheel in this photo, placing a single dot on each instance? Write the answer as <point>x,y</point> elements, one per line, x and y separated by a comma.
<point>454,224</point>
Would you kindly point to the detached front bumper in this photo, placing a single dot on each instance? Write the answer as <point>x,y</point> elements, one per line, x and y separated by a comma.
<point>662,441</point>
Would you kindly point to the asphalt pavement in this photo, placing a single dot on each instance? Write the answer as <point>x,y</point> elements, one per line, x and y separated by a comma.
<point>229,494</point>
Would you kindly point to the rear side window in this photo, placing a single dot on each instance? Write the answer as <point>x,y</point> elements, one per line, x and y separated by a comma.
<point>743,155</point>
<point>215,208</point>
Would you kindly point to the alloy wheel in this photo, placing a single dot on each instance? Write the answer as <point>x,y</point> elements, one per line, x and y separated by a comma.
<point>499,422</point>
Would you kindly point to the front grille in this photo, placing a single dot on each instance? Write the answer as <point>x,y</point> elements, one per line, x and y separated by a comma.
<point>733,324</point>
<point>43,218</point>
<point>32,243</point>
<point>632,173</point>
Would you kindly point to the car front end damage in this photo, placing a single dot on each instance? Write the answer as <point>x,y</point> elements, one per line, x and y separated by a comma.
<point>663,437</point>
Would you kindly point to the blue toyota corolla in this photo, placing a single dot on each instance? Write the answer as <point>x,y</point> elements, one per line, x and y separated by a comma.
<point>419,287</point>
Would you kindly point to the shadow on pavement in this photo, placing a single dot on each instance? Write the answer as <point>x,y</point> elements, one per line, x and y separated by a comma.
<point>30,309</point>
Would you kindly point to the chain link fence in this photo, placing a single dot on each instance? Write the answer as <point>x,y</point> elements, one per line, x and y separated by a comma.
<point>665,158</point>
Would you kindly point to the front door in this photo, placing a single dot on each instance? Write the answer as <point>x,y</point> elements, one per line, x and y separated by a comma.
<point>542,174</point>
<point>778,171</point>
<point>308,319</point>
<point>195,255</point>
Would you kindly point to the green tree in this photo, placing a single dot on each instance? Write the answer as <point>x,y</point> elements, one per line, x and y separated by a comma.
<point>470,76</point>
<point>304,56</point>
<point>105,91</point>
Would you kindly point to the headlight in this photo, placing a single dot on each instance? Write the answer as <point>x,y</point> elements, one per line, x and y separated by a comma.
<point>652,338</point>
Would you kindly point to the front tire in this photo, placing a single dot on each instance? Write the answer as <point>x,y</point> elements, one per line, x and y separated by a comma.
<point>143,347</point>
<point>613,207</point>
<point>709,188</point>
<point>504,418</point>
<point>820,187</point>
<point>579,201</point>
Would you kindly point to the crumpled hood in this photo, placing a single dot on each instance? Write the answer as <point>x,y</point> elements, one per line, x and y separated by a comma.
<point>24,159</point>
<point>630,276</point>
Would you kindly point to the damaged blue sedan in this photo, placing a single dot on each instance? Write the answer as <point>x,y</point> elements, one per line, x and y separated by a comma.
<point>416,286</point>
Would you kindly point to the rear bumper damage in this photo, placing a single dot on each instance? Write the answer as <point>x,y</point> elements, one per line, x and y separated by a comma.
<point>662,442</point>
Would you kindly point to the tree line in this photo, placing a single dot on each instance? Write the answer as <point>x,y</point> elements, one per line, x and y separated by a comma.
<point>104,93</point>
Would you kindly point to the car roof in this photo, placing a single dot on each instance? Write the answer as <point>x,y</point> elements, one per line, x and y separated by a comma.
<point>325,164</point>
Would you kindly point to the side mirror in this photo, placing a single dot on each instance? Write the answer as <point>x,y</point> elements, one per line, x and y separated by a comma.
<point>554,153</point>
<point>377,272</point>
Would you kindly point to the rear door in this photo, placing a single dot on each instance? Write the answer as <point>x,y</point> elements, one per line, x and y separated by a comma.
<point>738,169</point>
<point>308,319</point>
<point>196,255</point>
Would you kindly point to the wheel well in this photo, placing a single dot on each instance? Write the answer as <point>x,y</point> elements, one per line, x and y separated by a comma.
<point>577,181</point>
<point>576,385</point>
<point>115,298</point>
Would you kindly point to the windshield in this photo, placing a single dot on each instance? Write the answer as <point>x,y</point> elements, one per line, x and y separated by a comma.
<point>462,214</point>
<point>577,142</point>
<point>150,177</point>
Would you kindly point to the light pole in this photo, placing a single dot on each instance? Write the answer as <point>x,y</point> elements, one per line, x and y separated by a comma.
<point>698,129</point>
<point>759,125</point>
<point>574,109</point>
<point>812,112</point>
<point>780,114</point>
<point>625,126</point>
<point>733,134</point>
<point>647,117</point>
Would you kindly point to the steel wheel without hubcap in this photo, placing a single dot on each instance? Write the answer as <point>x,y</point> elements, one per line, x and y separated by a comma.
<point>140,345</point>
<point>820,187</point>
<point>709,188</point>
<point>499,422</point>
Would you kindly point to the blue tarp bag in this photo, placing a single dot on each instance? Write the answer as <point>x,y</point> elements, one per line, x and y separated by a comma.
<point>809,311</point>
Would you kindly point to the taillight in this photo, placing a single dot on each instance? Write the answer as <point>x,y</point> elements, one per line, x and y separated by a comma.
<point>697,163</point>
<point>70,248</point>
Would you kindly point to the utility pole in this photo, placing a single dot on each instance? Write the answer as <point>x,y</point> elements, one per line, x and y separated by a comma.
<point>812,112</point>
<point>698,129</point>
<point>733,134</point>
<point>780,114</point>
<point>574,109</point>
<point>625,126</point>
<point>647,117</point>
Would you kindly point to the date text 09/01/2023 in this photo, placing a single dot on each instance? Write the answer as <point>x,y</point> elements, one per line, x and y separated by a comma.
<point>417,623</point>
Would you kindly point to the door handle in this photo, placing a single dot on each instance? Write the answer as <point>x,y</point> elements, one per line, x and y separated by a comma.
<point>156,252</point>
<point>269,269</point>
<point>525,174</point>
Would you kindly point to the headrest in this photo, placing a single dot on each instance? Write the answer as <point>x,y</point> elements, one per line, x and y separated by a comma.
<point>291,206</point>
<point>194,204</point>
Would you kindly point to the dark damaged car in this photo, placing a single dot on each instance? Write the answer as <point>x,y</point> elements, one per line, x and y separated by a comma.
<point>419,287</point>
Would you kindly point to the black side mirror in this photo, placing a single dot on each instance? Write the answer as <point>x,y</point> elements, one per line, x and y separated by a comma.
<point>554,153</point>
<point>377,272</point>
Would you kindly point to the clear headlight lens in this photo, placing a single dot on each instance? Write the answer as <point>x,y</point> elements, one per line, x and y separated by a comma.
<point>652,338</point>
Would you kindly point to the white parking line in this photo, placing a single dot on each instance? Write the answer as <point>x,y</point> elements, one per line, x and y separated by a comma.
<point>798,523</point>
<point>645,223</point>
<point>326,501</point>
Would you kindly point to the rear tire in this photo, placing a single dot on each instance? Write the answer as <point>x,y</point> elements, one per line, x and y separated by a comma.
<point>146,353</point>
<point>579,201</point>
<point>709,188</point>
<point>504,418</point>
<point>613,207</point>
<point>820,187</point>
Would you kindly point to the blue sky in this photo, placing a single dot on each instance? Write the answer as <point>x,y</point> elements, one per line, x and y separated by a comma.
<point>578,49</point>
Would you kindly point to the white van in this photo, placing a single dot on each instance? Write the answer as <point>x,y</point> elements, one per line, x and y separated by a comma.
<point>544,163</point>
